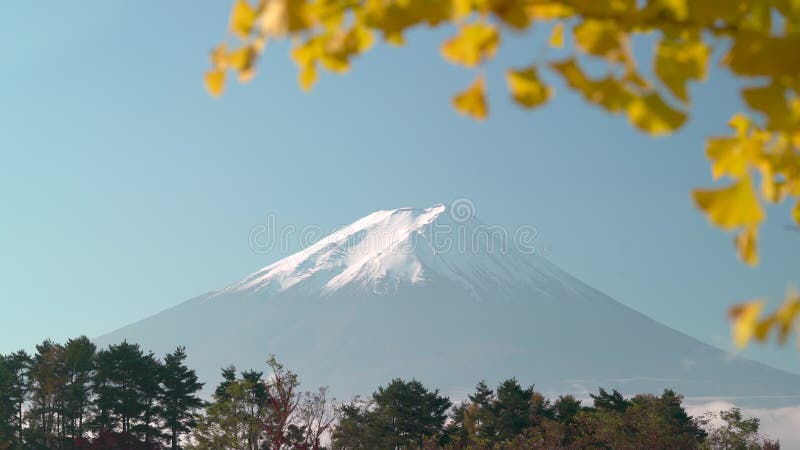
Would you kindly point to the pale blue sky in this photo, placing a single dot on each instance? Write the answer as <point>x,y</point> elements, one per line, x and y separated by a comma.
<point>125,189</point>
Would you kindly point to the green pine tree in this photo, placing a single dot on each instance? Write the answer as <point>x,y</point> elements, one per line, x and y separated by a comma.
<point>179,398</point>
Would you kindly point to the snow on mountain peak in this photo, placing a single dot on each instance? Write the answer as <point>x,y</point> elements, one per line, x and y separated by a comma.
<point>407,246</point>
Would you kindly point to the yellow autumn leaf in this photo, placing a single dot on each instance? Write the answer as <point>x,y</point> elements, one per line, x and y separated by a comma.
<point>549,10</point>
<point>472,101</point>
<point>771,101</point>
<point>679,8</point>
<point>731,156</point>
<point>572,73</point>
<point>772,188</point>
<point>732,206</point>
<point>758,54</point>
<point>599,38</point>
<point>243,17</point>
<point>215,82</point>
<point>745,321</point>
<point>796,213</point>
<point>473,44</point>
<point>280,17</point>
<point>462,9</point>
<point>335,53</point>
<point>219,57</point>
<point>678,61</point>
<point>513,13</point>
<point>651,114</point>
<point>740,124</point>
<point>557,36</point>
<point>307,77</point>
<point>526,87</point>
<point>241,59</point>
<point>360,39</point>
<point>746,242</point>
<point>786,316</point>
<point>609,92</point>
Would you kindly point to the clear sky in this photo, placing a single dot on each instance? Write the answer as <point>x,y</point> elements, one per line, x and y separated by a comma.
<point>125,189</point>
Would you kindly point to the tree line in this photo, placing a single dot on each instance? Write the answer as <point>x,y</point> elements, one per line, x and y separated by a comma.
<point>74,396</point>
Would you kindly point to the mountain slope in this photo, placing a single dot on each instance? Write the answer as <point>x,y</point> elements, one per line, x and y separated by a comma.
<point>426,293</point>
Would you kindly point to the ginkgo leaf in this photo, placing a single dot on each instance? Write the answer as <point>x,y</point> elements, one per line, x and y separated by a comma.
<point>757,54</point>
<point>746,242</point>
<point>241,59</point>
<point>599,38</point>
<point>360,39</point>
<point>740,124</point>
<point>513,13</point>
<point>572,73</point>
<point>281,17</point>
<point>772,189</point>
<point>474,43</point>
<point>335,53</point>
<point>549,10</point>
<point>786,316</point>
<point>796,213</point>
<point>651,114</point>
<point>678,61</point>
<point>306,53</point>
<point>306,56</point>
<point>215,82</point>
<point>472,101</point>
<point>745,321</point>
<point>307,77</point>
<point>679,8</point>
<point>732,206</point>
<point>771,101</point>
<point>729,156</point>
<point>557,36</point>
<point>609,92</point>
<point>243,17</point>
<point>462,9</point>
<point>219,57</point>
<point>526,87</point>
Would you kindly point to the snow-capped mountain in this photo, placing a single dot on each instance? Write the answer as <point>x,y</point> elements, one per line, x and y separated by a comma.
<point>437,295</point>
<point>408,247</point>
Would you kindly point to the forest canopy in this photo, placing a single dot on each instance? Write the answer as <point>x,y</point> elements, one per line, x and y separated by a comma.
<point>76,396</point>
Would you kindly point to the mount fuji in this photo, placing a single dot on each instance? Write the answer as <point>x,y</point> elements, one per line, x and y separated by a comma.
<point>438,295</point>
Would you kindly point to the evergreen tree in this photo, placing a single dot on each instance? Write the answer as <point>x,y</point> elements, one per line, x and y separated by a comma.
<point>47,381</point>
<point>257,386</point>
<point>18,364</point>
<point>613,401</point>
<point>407,412</point>
<point>356,429</point>
<point>79,356</point>
<point>566,407</point>
<point>127,385</point>
<point>7,411</point>
<point>478,416</point>
<point>512,409</point>
<point>179,398</point>
<point>228,378</point>
<point>149,385</point>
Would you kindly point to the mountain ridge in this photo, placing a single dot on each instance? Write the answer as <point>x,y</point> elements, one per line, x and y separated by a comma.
<point>364,305</point>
